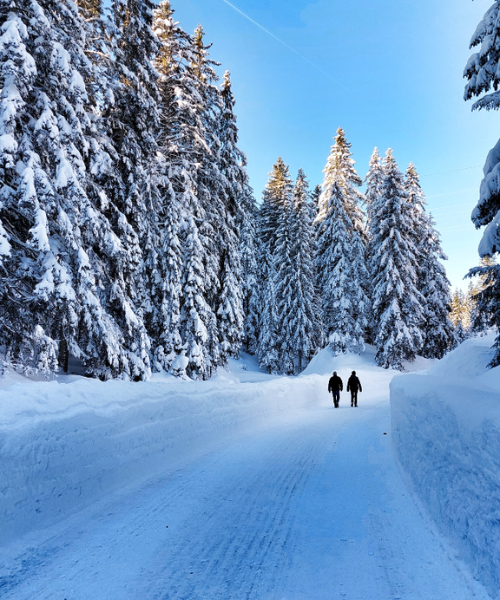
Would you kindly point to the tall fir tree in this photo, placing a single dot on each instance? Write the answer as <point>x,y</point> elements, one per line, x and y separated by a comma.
<point>314,202</point>
<point>283,271</point>
<point>340,169</point>
<point>374,180</point>
<point>397,303</point>
<point>65,255</point>
<point>232,164</point>
<point>481,72</point>
<point>249,252</point>
<point>432,282</point>
<point>276,195</point>
<point>304,318</point>
<point>339,269</point>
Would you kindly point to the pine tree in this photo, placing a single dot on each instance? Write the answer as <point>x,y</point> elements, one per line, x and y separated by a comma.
<point>374,180</point>
<point>284,268</point>
<point>197,319</point>
<point>276,195</point>
<point>314,203</point>
<point>398,305</point>
<point>480,316</point>
<point>303,319</point>
<point>339,267</point>
<point>249,251</point>
<point>432,282</point>
<point>194,346</point>
<point>63,247</point>
<point>340,169</point>
<point>232,164</point>
<point>481,72</point>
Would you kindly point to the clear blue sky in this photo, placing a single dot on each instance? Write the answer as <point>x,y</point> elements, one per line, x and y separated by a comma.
<point>388,72</point>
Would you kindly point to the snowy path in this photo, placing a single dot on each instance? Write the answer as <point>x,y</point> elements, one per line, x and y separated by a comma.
<point>314,509</point>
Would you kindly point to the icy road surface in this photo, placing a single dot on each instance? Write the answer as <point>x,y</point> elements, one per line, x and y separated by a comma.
<point>312,509</point>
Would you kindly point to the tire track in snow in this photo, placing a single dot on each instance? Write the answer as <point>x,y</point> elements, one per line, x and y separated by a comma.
<point>262,504</point>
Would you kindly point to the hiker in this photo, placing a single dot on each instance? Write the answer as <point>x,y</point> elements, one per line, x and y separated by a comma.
<point>335,386</point>
<point>354,385</point>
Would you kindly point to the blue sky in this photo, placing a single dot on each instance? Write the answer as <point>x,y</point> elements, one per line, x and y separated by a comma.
<point>389,73</point>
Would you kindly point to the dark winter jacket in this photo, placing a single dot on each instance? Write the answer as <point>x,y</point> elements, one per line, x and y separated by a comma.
<point>354,384</point>
<point>335,384</point>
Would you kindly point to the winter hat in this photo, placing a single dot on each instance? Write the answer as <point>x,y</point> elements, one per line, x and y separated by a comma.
<point>335,372</point>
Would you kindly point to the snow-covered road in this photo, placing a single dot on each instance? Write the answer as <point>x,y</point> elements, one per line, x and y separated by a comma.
<point>312,509</point>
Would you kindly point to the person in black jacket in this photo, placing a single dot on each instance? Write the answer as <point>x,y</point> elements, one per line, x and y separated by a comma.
<point>335,386</point>
<point>354,385</point>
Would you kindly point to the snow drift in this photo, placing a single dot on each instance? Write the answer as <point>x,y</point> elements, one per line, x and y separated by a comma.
<point>66,445</point>
<point>446,432</point>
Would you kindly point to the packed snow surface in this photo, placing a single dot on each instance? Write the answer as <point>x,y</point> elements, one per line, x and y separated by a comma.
<point>245,487</point>
<point>446,429</point>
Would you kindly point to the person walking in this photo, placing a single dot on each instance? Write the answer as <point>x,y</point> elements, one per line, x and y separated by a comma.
<point>335,386</point>
<point>354,385</point>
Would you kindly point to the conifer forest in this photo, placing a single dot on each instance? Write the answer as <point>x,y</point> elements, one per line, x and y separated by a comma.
<point>131,240</point>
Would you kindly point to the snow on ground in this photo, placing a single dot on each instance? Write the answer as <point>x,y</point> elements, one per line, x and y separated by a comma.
<point>446,428</point>
<point>244,487</point>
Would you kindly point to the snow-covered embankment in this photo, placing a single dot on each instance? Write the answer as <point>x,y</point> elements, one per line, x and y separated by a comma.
<point>446,431</point>
<point>65,445</point>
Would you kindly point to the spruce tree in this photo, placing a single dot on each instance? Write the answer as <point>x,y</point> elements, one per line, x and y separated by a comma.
<point>343,300</point>
<point>232,164</point>
<point>284,268</point>
<point>188,230</point>
<point>481,72</point>
<point>304,318</point>
<point>432,282</point>
<point>249,252</point>
<point>340,169</point>
<point>314,203</point>
<point>374,180</point>
<point>276,195</point>
<point>397,303</point>
<point>64,249</point>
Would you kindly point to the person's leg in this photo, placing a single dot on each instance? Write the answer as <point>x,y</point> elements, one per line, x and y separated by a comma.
<point>356,398</point>
<point>352,397</point>
<point>337,398</point>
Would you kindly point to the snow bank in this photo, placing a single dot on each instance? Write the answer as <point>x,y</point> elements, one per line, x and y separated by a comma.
<point>65,445</point>
<point>446,432</point>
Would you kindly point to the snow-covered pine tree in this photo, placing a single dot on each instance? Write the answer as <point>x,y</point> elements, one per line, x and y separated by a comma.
<point>314,202</point>
<point>283,271</point>
<point>303,320</point>
<point>374,179</point>
<point>197,317</point>
<point>482,73</point>
<point>231,162</point>
<point>397,303</point>
<point>210,183</point>
<point>193,342</point>
<point>360,282</point>
<point>340,169</point>
<point>432,282</point>
<point>249,251</point>
<point>479,317</point>
<point>277,193</point>
<point>132,119</point>
<point>338,270</point>
<point>179,119</point>
<point>62,243</point>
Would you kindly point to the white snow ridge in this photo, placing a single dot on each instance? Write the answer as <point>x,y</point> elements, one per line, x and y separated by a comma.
<point>251,486</point>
